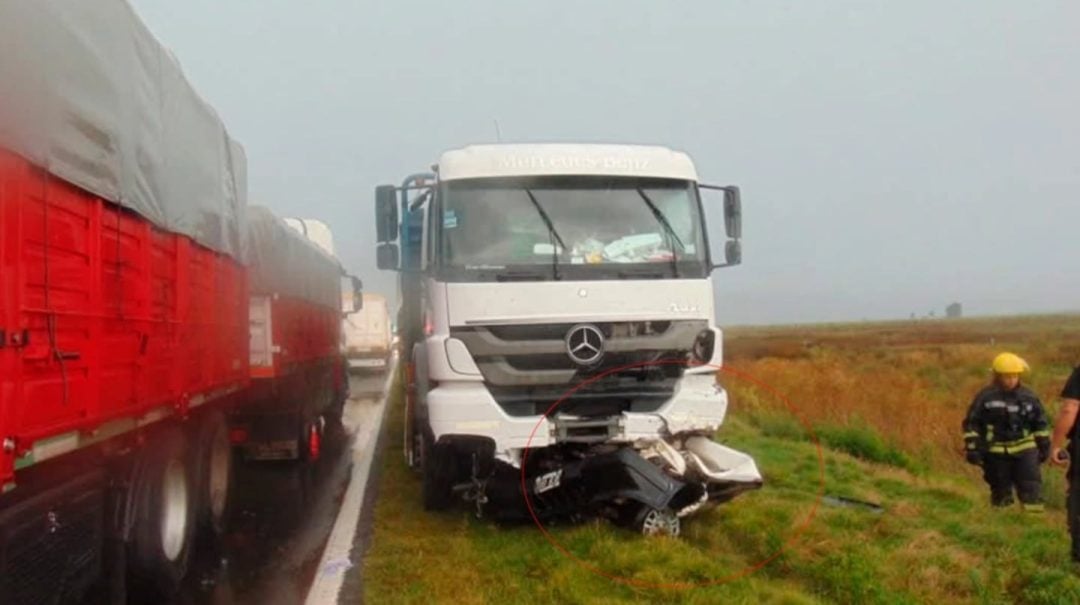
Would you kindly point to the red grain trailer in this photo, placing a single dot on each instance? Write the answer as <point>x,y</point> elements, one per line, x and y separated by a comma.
<point>125,341</point>
<point>297,368</point>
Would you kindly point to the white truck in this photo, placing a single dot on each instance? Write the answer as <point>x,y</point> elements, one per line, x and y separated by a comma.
<point>368,335</point>
<point>558,315</point>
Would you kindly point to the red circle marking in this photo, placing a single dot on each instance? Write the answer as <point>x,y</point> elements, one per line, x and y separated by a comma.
<point>795,537</point>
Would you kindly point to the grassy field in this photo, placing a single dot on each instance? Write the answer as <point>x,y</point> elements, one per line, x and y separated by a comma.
<point>886,401</point>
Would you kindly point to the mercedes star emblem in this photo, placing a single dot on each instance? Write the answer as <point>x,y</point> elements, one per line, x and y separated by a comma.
<point>585,344</point>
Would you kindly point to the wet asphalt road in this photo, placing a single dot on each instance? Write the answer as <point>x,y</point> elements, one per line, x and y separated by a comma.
<point>279,531</point>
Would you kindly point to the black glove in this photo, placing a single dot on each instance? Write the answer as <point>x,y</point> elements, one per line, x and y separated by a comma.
<point>1044,448</point>
<point>974,457</point>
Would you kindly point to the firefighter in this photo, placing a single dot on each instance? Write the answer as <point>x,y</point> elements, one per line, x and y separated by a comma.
<point>1065,428</point>
<point>1006,432</point>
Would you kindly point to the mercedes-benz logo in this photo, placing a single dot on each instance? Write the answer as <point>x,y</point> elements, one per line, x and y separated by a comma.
<point>585,344</point>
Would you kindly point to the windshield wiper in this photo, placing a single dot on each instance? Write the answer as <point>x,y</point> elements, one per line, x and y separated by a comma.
<point>505,276</point>
<point>641,274</point>
<point>553,235</point>
<point>672,237</point>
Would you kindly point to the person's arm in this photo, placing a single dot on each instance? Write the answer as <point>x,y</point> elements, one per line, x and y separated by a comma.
<point>973,432</point>
<point>1040,429</point>
<point>1065,421</point>
<point>1070,405</point>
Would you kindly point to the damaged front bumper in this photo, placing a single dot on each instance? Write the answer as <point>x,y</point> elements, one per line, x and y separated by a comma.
<point>698,406</point>
<point>647,470</point>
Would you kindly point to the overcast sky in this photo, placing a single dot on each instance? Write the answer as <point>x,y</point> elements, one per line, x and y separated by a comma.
<point>894,157</point>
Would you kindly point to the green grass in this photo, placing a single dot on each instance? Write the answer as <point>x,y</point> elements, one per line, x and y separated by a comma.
<point>937,539</point>
<point>862,442</point>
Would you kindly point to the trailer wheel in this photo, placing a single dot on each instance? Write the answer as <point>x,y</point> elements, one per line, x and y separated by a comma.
<point>213,465</point>
<point>437,463</point>
<point>162,525</point>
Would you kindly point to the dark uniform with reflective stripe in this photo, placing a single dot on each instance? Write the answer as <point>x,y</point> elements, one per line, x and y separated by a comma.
<point>1007,431</point>
<point>1072,391</point>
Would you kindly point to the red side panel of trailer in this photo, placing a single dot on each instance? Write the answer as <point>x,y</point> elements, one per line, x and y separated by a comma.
<point>296,298</point>
<point>104,317</point>
<point>302,332</point>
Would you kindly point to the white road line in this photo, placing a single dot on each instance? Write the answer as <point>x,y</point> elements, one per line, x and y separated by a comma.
<point>336,561</point>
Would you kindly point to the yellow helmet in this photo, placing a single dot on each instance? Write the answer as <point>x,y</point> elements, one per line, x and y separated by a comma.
<point>1010,363</point>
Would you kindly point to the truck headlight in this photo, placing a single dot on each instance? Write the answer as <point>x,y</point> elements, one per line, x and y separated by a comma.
<point>704,345</point>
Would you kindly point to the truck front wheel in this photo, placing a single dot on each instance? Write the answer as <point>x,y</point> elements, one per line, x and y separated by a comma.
<point>437,462</point>
<point>417,385</point>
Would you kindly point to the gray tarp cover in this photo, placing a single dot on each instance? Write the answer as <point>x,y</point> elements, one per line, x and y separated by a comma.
<point>88,93</point>
<point>282,261</point>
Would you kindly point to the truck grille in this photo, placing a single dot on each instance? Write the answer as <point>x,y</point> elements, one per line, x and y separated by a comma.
<point>527,369</point>
<point>558,331</point>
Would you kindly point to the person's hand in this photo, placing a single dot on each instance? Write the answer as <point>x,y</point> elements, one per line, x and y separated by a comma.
<point>974,457</point>
<point>1059,457</point>
<point>1044,448</point>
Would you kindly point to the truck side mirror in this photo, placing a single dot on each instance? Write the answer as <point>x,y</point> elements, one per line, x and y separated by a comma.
<point>386,257</point>
<point>733,212</point>
<point>386,213</point>
<point>733,252</point>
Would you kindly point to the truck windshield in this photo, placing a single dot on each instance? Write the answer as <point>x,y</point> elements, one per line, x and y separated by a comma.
<point>600,228</point>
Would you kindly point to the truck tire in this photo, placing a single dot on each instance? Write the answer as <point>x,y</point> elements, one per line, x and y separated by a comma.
<point>416,407</point>
<point>212,462</point>
<point>162,518</point>
<point>408,445</point>
<point>437,462</point>
<point>305,468</point>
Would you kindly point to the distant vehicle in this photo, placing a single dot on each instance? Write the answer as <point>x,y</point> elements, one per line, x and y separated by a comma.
<point>368,335</point>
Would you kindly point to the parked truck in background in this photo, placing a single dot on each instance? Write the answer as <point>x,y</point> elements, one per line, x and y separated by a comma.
<point>559,329</point>
<point>298,374</point>
<point>369,335</point>
<point>352,300</point>
<point>138,342</point>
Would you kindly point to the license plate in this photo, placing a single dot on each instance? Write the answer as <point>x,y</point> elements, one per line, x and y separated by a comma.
<point>273,450</point>
<point>367,363</point>
<point>548,481</point>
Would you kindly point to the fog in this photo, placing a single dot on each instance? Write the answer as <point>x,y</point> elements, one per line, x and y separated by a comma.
<point>894,157</point>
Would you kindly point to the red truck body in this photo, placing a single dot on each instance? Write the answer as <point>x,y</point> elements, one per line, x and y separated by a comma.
<point>296,298</point>
<point>106,319</point>
<point>153,328</point>
<point>297,376</point>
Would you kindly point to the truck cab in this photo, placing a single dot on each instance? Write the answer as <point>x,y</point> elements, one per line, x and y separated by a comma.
<point>561,309</point>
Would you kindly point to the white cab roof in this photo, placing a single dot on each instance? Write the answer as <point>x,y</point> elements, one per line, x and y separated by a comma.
<point>493,161</point>
<point>315,230</point>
